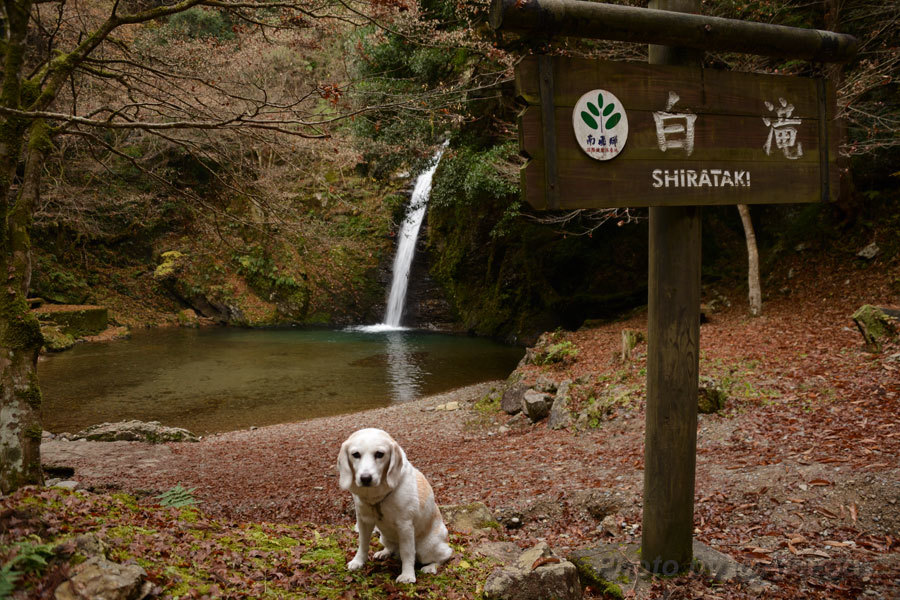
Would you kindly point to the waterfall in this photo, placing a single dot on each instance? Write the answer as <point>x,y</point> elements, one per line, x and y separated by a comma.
<point>406,247</point>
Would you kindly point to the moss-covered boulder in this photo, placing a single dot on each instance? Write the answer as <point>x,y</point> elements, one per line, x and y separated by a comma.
<point>74,320</point>
<point>55,340</point>
<point>468,518</point>
<point>711,398</point>
<point>135,431</point>
<point>877,325</point>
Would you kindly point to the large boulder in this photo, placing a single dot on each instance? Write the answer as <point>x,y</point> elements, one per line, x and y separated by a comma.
<point>536,405</point>
<point>611,568</point>
<point>55,340</point>
<point>99,579</point>
<point>560,410</point>
<point>135,431</point>
<point>545,384</point>
<point>536,575</point>
<point>511,400</point>
<point>877,325</point>
<point>616,568</point>
<point>711,398</point>
<point>469,518</point>
<point>75,320</point>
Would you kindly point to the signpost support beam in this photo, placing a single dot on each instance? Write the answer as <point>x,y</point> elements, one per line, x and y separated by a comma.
<point>673,334</point>
<point>598,20</point>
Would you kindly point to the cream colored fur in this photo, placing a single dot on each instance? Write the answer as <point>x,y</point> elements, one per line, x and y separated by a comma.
<point>394,497</point>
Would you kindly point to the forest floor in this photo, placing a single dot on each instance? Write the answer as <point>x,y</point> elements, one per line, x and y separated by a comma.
<point>797,478</point>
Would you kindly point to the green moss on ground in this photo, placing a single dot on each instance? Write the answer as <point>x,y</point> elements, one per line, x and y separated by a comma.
<point>185,551</point>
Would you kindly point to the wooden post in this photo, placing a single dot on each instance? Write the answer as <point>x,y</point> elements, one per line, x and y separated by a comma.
<point>673,333</point>
<point>601,20</point>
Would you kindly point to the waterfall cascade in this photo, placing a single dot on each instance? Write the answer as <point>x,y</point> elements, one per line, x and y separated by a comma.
<point>406,247</point>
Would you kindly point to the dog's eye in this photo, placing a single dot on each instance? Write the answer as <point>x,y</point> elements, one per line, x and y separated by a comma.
<point>379,455</point>
<point>355,455</point>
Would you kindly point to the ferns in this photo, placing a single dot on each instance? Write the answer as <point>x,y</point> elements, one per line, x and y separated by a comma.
<point>178,497</point>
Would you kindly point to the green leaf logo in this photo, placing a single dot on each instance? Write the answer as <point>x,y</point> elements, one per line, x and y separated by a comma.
<point>595,111</point>
<point>600,124</point>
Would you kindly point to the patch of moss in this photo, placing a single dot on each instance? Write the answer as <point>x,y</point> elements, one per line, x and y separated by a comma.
<point>876,326</point>
<point>31,392</point>
<point>22,332</point>
<point>710,398</point>
<point>88,320</point>
<point>55,340</point>
<point>34,432</point>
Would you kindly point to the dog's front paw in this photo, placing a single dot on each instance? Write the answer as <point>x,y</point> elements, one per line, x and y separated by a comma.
<point>382,554</point>
<point>406,578</point>
<point>356,564</point>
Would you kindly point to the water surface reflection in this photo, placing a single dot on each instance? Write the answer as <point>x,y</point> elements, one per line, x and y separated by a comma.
<point>220,379</point>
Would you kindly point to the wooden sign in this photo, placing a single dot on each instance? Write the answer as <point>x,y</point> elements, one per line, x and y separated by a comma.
<point>693,136</point>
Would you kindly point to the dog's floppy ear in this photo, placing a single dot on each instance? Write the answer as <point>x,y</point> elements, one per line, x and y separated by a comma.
<point>345,467</point>
<point>395,468</point>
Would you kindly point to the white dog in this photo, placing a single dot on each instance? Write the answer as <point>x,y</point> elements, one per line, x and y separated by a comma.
<point>395,497</point>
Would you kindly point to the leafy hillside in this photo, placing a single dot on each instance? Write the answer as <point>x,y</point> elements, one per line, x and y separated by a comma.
<point>276,228</point>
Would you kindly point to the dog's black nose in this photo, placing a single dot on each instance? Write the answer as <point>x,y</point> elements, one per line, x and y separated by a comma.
<point>365,479</point>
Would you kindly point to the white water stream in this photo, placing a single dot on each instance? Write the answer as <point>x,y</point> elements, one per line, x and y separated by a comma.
<point>406,248</point>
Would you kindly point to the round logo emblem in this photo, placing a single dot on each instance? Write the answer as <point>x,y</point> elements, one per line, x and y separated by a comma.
<point>600,124</point>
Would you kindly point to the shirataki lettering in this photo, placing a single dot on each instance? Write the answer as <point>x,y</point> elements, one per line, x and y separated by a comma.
<point>692,178</point>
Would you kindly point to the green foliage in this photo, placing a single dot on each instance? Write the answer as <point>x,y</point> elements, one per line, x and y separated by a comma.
<point>469,175</point>
<point>52,281</point>
<point>273,284</point>
<point>262,272</point>
<point>562,352</point>
<point>199,23</point>
<point>178,497</point>
<point>28,556</point>
<point>8,578</point>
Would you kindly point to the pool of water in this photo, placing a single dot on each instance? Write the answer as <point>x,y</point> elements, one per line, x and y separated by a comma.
<point>221,379</point>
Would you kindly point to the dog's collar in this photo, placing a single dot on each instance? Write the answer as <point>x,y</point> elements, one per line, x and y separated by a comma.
<point>377,505</point>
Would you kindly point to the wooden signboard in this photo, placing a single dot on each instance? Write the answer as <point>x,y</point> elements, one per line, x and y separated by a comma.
<point>694,136</point>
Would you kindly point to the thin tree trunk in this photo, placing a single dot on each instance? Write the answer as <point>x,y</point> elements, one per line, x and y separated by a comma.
<point>20,333</point>
<point>755,291</point>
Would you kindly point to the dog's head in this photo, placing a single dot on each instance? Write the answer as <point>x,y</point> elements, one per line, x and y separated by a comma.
<point>370,458</point>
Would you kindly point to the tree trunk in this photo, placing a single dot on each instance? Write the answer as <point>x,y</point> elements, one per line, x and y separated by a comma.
<point>20,333</point>
<point>755,292</point>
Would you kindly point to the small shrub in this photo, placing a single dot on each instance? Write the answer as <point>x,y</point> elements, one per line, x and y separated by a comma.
<point>199,23</point>
<point>561,352</point>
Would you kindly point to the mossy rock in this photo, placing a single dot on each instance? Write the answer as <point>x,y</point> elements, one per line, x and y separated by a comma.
<point>55,340</point>
<point>877,325</point>
<point>610,568</point>
<point>467,518</point>
<point>77,321</point>
<point>188,318</point>
<point>710,398</point>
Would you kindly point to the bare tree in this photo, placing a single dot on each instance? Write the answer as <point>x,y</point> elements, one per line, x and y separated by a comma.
<point>755,290</point>
<point>85,70</point>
